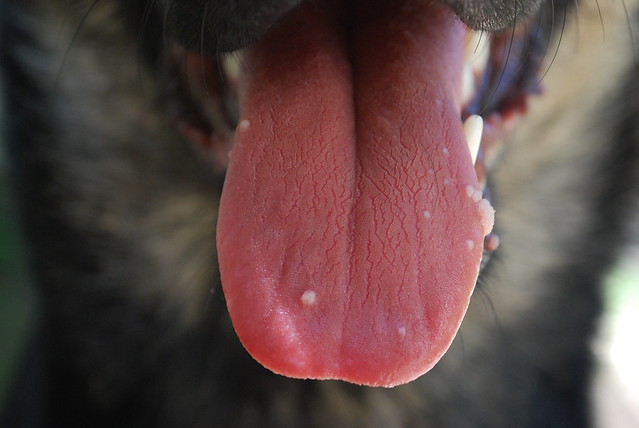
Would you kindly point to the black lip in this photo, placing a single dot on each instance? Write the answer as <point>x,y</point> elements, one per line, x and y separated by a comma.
<point>494,15</point>
<point>212,27</point>
<point>221,26</point>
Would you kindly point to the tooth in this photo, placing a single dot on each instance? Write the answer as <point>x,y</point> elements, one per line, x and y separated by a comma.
<point>476,55</point>
<point>231,65</point>
<point>468,85</point>
<point>473,128</point>
<point>477,50</point>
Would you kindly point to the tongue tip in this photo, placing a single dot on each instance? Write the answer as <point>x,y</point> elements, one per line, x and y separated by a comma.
<point>389,358</point>
<point>364,372</point>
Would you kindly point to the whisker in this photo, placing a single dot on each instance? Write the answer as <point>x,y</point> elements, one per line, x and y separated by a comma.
<point>561,35</point>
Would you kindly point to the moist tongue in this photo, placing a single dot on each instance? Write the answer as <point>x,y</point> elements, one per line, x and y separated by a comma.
<point>349,233</point>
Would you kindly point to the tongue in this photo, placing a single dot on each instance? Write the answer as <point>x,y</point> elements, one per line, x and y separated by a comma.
<point>350,232</point>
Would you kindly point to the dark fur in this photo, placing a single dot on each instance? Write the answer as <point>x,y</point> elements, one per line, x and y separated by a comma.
<point>120,215</point>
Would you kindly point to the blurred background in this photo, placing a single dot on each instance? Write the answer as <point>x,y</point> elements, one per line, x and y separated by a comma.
<point>17,300</point>
<point>617,347</point>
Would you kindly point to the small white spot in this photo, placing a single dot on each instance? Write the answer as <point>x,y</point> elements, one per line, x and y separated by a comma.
<point>491,243</point>
<point>402,331</point>
<point>431,171</point>
<point>470,243</point>
<point>487,213</point>
<point>474,194</point>
<point>446,181</point>
<point>309,298</point>
<point>445,150</point>
<point>243,126</point>
<point>427,214</point>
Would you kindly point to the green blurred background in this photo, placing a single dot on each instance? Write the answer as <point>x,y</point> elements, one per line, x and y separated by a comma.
<point>16,297</point>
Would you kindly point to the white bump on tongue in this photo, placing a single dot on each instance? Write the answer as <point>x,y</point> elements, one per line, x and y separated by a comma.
<point>344,227</point>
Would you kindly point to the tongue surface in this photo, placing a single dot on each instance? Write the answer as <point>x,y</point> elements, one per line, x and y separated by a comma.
<point>349,233</point>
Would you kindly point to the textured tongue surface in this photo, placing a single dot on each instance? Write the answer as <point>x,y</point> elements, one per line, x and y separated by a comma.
<point>348,243</point>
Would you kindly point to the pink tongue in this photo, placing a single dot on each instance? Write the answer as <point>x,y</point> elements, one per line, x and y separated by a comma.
<point>348,243</point>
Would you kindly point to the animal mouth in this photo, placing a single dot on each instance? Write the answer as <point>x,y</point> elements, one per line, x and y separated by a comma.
<point>355,209</point>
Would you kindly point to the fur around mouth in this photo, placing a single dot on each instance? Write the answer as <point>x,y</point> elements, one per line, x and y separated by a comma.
<point>444,210</point>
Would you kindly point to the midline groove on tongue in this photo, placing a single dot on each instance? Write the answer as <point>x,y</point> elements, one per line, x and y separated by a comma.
<point>329,265</point>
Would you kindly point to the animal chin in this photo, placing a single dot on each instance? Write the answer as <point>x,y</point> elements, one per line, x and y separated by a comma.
<point>354,212</point>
